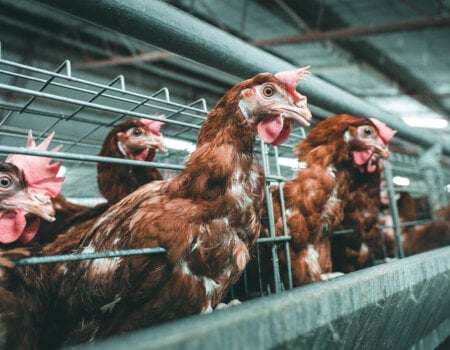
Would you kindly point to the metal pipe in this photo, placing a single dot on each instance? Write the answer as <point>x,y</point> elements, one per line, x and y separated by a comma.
<point>99,159</point>
<point>171,29</point>
<point>53,259</point>
<point>86,158</point>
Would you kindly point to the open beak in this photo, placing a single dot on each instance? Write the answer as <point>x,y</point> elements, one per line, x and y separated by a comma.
<point>34,204</point>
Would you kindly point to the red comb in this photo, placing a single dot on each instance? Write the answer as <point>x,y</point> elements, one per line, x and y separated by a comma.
<point>153,125</point>
<point>291,78</point>
<point>385,132</point>
<point>40,175</point>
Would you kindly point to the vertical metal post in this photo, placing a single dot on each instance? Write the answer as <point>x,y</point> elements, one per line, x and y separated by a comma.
<point>271,219</point>
<point>429,163</point>
<point>393,208</point>
<point>287,244</point>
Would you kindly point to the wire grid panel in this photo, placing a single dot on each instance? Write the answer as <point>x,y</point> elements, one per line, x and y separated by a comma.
<point>407,168</point>
<point>406,185</point>
<point>400,166</point>
<point>82,112</point>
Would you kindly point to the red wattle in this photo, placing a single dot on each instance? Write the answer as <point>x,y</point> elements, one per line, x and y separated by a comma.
<point>274,130</point>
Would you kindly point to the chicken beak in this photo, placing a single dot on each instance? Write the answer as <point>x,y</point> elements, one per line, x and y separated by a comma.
<point>306,114</point>
<point>381,149</point>
<point>302,105</point>
<point>303,111</point>
<point>32,203</point>
<point>158,144</point>
<point>299,114</point>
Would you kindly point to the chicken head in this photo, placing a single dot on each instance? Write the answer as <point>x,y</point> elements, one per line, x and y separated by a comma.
<point>369,143</point>
<point>27,184</point>
<point>140,139</point>
<point>274,104</point>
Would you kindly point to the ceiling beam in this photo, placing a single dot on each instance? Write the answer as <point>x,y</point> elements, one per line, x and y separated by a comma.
<point>424,23</point>
<point>145,57</point>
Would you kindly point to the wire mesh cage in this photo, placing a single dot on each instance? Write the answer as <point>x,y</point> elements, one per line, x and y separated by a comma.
<point>81,112</point>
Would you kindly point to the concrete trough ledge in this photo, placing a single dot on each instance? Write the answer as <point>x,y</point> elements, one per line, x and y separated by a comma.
<point>399,305</point>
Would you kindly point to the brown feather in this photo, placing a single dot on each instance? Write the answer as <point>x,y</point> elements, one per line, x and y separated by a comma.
<point>207,217</point>
<point>316,197</point>
<point>63,236</point>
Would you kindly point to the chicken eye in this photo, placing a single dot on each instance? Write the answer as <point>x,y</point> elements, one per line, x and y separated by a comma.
<point>5,182</point>
<point>137,132</point>
<point>367,131</point>
<point>268,91</point>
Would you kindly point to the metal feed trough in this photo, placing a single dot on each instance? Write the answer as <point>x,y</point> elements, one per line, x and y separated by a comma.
<point>398,305</point>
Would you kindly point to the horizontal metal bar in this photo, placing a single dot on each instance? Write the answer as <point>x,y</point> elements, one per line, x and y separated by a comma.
<point>343,232</point>
<point>87,158</point>
<point>93,105</point>
<point>16,107</point>
<point>414,190</point>
<point>171,29</point>
<point>409,223</point>
<point>98,159</point>
<point>389,306</point>
<point>87,256</point>
<point>273,239</point>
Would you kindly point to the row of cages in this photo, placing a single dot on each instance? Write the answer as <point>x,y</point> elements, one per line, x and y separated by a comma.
<point>82,112</point>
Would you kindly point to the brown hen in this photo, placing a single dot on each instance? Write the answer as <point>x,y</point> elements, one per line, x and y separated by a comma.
<point>135,139</point>
<point>27,184</point>
<point>355,250</point>
<point>335,150</point>
<point>207,217</point>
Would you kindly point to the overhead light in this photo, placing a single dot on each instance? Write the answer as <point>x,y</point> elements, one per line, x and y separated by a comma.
<point>434,123</point>
<point>179,145</point>
<point>448,188</point>
<point>401,181</point>
<point>290,163</point>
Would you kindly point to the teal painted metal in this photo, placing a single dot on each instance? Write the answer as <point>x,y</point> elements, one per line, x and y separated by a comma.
<point>171,29</point>
<point>398,305</point>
